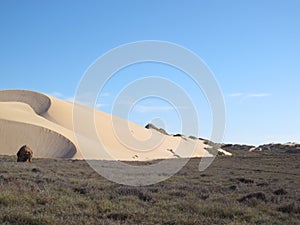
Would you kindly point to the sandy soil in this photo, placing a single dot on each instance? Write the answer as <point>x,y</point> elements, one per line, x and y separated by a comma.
<point>45,124</point>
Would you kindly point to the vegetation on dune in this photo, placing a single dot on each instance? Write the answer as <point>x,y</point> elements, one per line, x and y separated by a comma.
<point>234,190</point>
<point>160,130</point>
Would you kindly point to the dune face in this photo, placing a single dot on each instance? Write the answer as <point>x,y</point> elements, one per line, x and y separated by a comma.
<point>38,102</point>
<point>45,124</point>
<point>45,143</point>
<point>22,122</point>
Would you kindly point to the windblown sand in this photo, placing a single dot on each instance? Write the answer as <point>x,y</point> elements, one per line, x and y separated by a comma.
<point>45,124</point>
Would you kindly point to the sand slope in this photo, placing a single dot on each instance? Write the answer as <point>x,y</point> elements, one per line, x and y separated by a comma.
<point>45,124</point>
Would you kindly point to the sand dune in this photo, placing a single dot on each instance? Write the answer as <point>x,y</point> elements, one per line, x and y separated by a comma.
<point>46,125</point>
<point>38,102</point>
<point>57,145</point>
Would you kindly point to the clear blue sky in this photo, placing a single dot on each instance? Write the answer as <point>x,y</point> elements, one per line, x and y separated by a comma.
<point>252,47</point>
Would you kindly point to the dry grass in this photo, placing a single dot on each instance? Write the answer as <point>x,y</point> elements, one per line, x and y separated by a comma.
<point>249,189</point>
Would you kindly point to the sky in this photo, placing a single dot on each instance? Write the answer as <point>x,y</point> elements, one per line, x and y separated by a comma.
<point>251,47</point>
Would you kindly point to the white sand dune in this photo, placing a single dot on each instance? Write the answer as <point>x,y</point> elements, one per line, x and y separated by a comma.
<point>45,124</point>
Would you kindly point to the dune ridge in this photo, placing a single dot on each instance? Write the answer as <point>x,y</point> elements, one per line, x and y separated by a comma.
<point>40,103</point>
<point>45,123</point>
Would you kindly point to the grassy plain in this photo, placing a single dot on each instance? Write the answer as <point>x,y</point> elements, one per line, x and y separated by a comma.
<point>245,189</point>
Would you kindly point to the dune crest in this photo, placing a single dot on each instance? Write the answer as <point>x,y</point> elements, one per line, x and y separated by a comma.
<point>40,103</point>
<point>46,125</point>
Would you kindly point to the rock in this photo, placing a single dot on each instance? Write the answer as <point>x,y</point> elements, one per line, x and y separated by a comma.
<point>25,154</point>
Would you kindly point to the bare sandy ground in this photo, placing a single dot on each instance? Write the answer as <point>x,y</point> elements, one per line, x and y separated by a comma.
<point>45,124</point>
